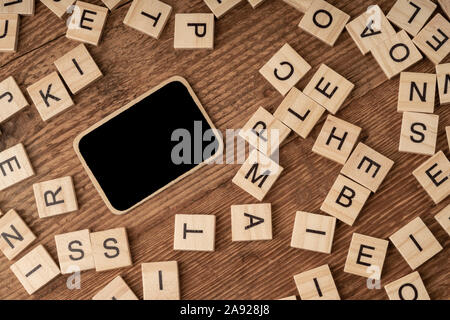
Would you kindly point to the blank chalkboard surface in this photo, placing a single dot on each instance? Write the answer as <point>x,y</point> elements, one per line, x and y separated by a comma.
<point>129,155</point>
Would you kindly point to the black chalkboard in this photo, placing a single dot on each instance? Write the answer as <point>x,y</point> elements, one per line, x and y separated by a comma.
<point>129,155</point>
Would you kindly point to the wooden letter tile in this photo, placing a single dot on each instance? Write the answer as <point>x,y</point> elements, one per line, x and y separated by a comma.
<point>443,217</point>
<point>447,131</point>
<point>367,167</point>
<point>328,88</point>
<point>12,99</point>
<point>433,176</point>
<point>87,22</point>
<point>194,31</point>
<point>285,69</point>
<point>409,287</point>
<point>35,269</point>
<point>160,281</point>
<point>434,39</point>
<point>257,175</point>
<point>22,7</point>
<point>313,232</point>
<point>416,92</point>
<point>345,200</point>
<point>419,133</point>
<point>445,5</point>
<point>110,249</point>
<point>289,298</point>
<point>317,284</point>
<point>59,7</point>
<point>112,4</point>
<point>300,5</point>
<point>15,234</point>
<point>416,243</point>
<point>443,79</point>
<point>55,197</point>
<point>396,54</point>
<point>366,256</point>
<point>220,7</point>
<point>336,140</point>
<point>78,69</point>
<point>195,232</point>
<point>14,166</point>
<point>324,21</point>
<point>116,290</point>
<point>264,132</point>
<point>255,3</point>
<point>9,32</point>
<point>299,112</point>
<point>148,16</point>
<point>411,16</point>
<point>370,28</point>
<point>50,96</point>
<point>250,222</point>
<point>74,251</point>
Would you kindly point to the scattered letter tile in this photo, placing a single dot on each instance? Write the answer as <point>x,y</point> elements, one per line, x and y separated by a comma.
<point>416,243</point>
<point>317,284</point>
<point>433,176</point>
<point>328,88</point>
<point>366,256</point>
<point>251,222</point>
<point>15,234</point>
<point>55,197</point>
<point>160,281</point>
<point>257,175</point>
<point>313,232</point>
<point>35,269</point>
<point>285,69</point>
<point>110,249</point>
<point>74,251</point>
<point>194,232</point>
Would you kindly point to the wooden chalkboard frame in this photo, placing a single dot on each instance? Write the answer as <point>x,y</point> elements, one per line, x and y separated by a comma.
<point>126,107</point>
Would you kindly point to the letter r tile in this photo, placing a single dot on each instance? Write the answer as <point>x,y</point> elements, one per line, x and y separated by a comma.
<point>55,197</point>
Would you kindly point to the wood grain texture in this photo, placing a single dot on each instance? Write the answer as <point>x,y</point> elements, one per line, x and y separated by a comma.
<point>227,82</point>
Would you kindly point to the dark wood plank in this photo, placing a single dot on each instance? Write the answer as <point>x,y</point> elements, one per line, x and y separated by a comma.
<point>229,85</point>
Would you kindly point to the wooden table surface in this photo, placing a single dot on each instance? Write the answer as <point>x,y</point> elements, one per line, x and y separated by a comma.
<point>227,82</point>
